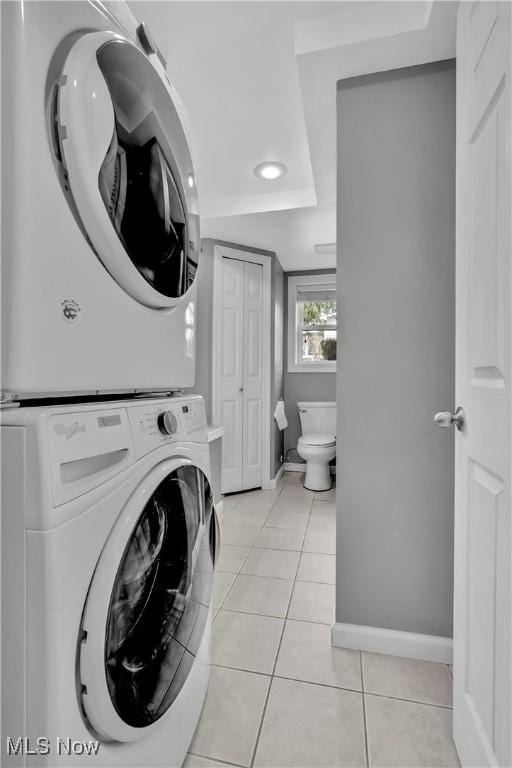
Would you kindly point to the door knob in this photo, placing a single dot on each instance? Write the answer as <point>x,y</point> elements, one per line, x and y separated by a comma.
<point>240,389</point>
<point>448,419</point>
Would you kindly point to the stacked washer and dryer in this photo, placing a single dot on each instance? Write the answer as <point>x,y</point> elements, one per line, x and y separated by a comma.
<point>109,534</point>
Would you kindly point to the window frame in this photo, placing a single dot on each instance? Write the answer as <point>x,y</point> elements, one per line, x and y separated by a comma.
<point>296,283</point>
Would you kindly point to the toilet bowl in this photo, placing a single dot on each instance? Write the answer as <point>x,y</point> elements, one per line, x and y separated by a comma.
<point>317,445</point>
<point>317,456</point>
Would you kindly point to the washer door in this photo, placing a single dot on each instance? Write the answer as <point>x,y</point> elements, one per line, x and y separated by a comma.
<point>148,603</point>
<point>127,169</point>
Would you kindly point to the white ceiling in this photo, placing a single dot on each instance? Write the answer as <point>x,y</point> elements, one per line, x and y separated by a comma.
<point>258,80</point>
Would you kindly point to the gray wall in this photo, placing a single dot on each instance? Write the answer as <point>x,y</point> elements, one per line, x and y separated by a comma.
<point>302,386</point>
<point>277,361</point>
<point>396,215</point>
<point>204,337</point>
<point>204,334</point>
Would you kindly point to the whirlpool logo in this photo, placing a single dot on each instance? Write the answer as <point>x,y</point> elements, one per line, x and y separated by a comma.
<point>69,430</point>
<point>70,310</point>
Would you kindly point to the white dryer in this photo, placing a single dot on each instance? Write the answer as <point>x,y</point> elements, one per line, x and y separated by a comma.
<point>100,217</point>
<point>109,538</point>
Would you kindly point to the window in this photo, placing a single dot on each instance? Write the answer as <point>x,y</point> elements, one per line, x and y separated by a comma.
<point>312,323</point>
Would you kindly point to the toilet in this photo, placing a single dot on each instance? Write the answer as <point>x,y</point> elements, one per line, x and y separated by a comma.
<point>317,445</point>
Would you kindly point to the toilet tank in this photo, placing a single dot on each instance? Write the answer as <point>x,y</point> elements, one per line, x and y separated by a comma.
<point>317,418</point>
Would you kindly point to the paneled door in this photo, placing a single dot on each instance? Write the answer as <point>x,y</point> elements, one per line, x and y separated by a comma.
<point>232,372</point>
<point>252,384</point>
<point>241,374</point>
<point>483,572</point>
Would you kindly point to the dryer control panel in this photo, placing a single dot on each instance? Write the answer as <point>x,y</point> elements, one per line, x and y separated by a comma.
<point>180,419</point>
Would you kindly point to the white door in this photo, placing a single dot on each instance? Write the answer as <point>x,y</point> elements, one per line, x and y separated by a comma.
<point>252,385</point>
<point>482,611</point>
<point>232,373</point>
<point>241,374</point>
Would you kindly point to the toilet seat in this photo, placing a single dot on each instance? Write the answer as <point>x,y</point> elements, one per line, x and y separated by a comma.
<point>317,440</point>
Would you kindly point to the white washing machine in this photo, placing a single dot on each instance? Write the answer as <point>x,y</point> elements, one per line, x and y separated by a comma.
<point>100,227</point>
<point>108,544</point>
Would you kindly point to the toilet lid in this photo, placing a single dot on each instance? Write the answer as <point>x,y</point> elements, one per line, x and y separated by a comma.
<point>318,440</point>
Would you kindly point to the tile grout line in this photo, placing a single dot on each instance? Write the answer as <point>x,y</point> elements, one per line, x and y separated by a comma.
<point>264,710</point>
<point>259,576</point>
<point>279,549</point>
<point>293,679</point>
<point>283,578</point>
<point>240,669</point>
<point>220,608</point>
<point>396,698</point>
<point>224,598</point>
<point>446,707</point>
<point>218,760</point>
<point>365,720</point>
<point>333,687</point>
<point>272,677</point>
<point>238,573</point>
<point>263,713</point>
<point>273,615</point>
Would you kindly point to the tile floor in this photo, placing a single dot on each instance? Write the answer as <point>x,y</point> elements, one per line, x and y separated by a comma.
<point>280,696</point>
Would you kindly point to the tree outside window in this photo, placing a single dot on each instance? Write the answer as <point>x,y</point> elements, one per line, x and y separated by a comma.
<point>319,343</point>
<point>317,327</point>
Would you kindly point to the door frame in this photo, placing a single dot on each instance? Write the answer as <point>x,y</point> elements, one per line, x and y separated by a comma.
<point>220,252</point>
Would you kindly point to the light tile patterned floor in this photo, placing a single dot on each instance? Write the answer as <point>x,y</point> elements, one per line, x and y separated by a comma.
<point>280,696</point>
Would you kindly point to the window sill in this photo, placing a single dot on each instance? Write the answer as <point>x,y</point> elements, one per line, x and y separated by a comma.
<point>312,368</point>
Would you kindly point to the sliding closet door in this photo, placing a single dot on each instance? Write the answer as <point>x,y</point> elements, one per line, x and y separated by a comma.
<point>241,371</point>
<point>253,336</point>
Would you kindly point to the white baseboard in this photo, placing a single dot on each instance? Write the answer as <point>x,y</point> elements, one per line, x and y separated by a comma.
<point>294,467</point>
<point>301,467</point>
<point>392,642</point>
<point>274,480</point>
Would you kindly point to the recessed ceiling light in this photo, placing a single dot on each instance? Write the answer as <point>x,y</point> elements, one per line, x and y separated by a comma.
<point>270,170</point>
<point>190,181</point>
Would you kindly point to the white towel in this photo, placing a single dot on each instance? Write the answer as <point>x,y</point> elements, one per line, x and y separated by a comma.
<point>280,415</point>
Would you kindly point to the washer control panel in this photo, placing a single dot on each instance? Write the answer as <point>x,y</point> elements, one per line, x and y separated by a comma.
<point>88,446</point>
<point>173,419</point>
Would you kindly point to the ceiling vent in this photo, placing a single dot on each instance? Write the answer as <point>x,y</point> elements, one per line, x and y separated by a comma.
<point>325,249</point>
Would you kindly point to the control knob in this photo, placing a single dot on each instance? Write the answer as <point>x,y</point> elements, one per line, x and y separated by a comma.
<point>167,423</point>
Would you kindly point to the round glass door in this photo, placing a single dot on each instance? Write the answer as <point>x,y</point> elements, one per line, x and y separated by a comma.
<point>160,598</point>
<point>139,189</point>
<point>127,167</point>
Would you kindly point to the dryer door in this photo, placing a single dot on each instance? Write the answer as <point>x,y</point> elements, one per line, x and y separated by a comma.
<point>148,603</point>
<point>126,166</point>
